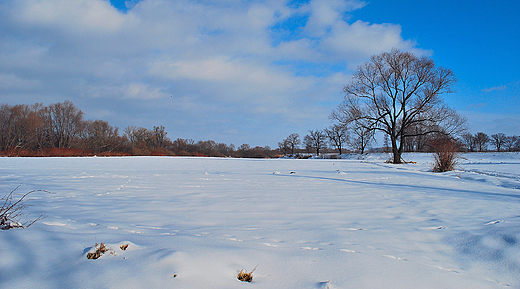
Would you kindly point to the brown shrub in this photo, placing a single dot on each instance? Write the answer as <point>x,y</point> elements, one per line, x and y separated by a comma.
<point>445,154</point>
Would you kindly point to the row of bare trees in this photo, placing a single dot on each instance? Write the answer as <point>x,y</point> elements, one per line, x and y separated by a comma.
<point>214,149</point>
<point>338,138</point>
<point>33,129</point>
<point>480,142</point>
<point>342,139</point>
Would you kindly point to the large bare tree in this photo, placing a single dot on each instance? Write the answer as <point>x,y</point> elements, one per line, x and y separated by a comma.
<point>395,91</point>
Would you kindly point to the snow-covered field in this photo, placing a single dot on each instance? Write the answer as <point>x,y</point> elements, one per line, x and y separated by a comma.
<point>196,222</point>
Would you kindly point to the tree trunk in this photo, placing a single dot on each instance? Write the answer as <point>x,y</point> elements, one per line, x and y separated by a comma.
<point>396,152</point>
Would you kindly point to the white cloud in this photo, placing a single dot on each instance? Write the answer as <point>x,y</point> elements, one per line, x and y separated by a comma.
<point>324,14</point>
<point>223,69</point>
<point>217,55</point>
<point>361,39</point>
<point>143,91</point>
<point>72,16</point>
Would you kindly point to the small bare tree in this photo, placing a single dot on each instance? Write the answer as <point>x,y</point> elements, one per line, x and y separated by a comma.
<point>469,141</point>
<point>481,141</point>
<point>290,143</point>
<point>159,137</point>
<point>337,135</point>
<point>498,140</point>
<point>361,136</point>
<point>316,140</point>
<point>510,142</point>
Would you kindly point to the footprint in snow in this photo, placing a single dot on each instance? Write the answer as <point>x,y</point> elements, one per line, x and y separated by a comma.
<point>494,222</point>
<point>270,245</point>
<point>435,228</point>
<point>445,269</point>
<point>231,238</point>
<point>395,258</point>
<point>326,285</point>
<point>350,229</point>
<point>58,224</point>
<point>311,248</point>
<point>349,251</point>
<point>133,231</point>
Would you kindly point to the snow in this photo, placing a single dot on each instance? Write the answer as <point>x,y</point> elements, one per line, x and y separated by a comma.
<point>357,222</point>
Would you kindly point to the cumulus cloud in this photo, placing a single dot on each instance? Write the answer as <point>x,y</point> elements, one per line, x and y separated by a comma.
<point>189,59</point>
<point>79,17</point>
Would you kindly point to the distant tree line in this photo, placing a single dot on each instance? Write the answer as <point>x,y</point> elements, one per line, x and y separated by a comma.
<point>481,142</point>
<point>60,130</point>
<point>336,139</point>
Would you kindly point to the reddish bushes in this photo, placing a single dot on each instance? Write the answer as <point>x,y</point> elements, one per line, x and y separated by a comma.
<point>17,153</point>
<point>445,154</point>
<point>57,152</point>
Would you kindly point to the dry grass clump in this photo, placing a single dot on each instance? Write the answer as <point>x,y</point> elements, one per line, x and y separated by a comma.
<point>245,276</point>
<point>100,250</point>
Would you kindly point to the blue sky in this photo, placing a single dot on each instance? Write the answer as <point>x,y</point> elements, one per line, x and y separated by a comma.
<point>249,71</point>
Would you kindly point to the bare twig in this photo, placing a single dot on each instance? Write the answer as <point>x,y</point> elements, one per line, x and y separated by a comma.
<point>11,210</point>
